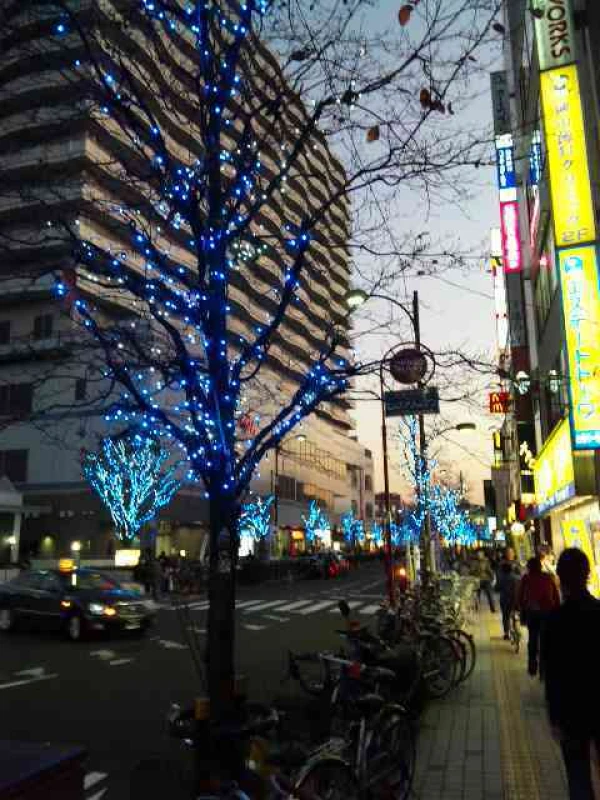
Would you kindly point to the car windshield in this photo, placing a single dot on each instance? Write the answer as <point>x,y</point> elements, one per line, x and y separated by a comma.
<point>91,580</point>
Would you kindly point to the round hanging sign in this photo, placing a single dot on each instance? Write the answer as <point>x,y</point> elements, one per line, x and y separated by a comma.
<point>408,365</point>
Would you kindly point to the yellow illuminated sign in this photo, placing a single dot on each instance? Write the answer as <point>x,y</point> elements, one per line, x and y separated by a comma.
<point>554,470</point>
<point>127,558</point>
<point>575,534</point>
<point>572,206</point>
<point>581,309</point>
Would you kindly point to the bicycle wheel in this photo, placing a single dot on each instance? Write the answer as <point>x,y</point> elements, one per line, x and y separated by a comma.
<point>312,673</point>
<point>439,666</point>
<point>327,779</point>
<point>460,655</point>
<point>391,756</point>
<point>468,643</point>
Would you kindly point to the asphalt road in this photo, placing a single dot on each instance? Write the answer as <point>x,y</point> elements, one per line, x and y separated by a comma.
<point>111,695</point>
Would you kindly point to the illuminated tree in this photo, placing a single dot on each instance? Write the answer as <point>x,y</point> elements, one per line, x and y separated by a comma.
<point>315,522</point>
<point>255,518</point>
<point>353,529</point>
<point>205,120</point>
<point>377,534</point>
<point>129,477</point>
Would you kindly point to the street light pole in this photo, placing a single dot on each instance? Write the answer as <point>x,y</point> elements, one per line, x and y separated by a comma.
<point>423,501</point>
<point>387,538</point>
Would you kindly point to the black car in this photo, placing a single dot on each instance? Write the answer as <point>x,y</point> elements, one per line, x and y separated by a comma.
<point>76,602</point>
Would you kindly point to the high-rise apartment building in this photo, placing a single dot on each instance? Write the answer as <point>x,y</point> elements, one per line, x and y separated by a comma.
<point>59,159</point>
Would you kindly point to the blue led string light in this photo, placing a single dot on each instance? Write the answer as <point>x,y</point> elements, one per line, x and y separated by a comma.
<point>129,477</point>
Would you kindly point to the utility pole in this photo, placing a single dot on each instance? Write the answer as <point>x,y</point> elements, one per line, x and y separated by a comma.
<point>425,538</point>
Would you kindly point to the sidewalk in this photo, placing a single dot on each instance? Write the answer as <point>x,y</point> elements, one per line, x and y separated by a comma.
<point>489,740</point>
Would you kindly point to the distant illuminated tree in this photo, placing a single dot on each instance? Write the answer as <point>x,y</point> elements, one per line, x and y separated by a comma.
<point>128,476</point>
<point>315,522</point>
<point>353,529</point>
<point>377,534</point>
<point>255,518</point>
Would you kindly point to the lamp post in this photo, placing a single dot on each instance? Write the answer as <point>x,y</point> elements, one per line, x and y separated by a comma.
<point>354,299</point>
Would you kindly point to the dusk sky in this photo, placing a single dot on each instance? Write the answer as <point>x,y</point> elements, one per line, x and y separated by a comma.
<point>457,310</point>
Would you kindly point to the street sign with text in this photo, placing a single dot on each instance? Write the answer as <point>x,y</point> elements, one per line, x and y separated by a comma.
<point>408,402</point>
<point>408,365</point>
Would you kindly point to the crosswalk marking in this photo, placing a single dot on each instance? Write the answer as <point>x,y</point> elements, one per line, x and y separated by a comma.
<point>351,604</point>
<point>261,606</point>
<point>293,606</point>
<point>316,607</point>
<point>92,778</point>
<point>246,603</point>
<point>371,609</point>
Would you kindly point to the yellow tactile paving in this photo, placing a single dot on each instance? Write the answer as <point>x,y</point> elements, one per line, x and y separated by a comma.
<point>520,770</point>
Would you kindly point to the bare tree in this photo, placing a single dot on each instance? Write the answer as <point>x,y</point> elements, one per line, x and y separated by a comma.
<point>208,183</point>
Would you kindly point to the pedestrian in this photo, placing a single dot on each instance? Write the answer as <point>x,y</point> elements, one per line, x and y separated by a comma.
<point>571,672</point>
<point>482,570</point>
<point>510,558</point>
<point>537,596</point>
<point>508,582</point>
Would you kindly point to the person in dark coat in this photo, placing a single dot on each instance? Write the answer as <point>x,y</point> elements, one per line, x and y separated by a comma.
<point>508,582</point>
<point>571,671</point>
<point>536,597</point>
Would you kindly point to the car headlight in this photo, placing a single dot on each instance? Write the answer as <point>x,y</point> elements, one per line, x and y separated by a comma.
<point>101,609</point>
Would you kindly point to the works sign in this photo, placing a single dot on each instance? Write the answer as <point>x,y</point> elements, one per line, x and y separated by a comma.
<point>554,33</point>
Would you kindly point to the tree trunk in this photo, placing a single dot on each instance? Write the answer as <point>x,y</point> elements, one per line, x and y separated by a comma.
<point>221,619</point>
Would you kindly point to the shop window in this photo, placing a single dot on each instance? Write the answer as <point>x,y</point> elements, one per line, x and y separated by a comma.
<point>42,326</point>
<point>13,465</point>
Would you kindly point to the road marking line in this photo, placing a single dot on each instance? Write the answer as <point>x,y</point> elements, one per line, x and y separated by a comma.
<point>33,672</point>
<point>26,681</point>
<point>118,661</point>
<point>247,603</point>
<point>276,619</point>
<point>169,645</point>
<point>255,627</point>
<point>195,629</point>
<point>197,606</point>
<point>261,606</point>
<point>372,609</point>
<point>293,606</point>
<point>98,795</point>
<point>316,607</point>
<point>92,778</point>
<point>104,655</point>
<point>351,604</point>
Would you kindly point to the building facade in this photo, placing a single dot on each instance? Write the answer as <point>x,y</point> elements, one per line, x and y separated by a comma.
<point>546,117</point>
<point>55,158</point>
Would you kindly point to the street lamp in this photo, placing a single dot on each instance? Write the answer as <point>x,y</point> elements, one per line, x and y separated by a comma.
<point>354,299</point>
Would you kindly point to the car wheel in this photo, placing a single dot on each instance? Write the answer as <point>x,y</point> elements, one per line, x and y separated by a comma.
<point>75,628</point>
<point>7,619</point>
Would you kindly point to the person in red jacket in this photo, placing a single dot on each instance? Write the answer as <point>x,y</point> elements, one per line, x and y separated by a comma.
<point>537,595</point>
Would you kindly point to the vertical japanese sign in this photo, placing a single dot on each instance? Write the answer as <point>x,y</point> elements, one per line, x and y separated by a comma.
<point>511,240</point>
<point>572,205</point>
<point>581,308</point>
<point>535,159</point>
<point>500,102</point>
